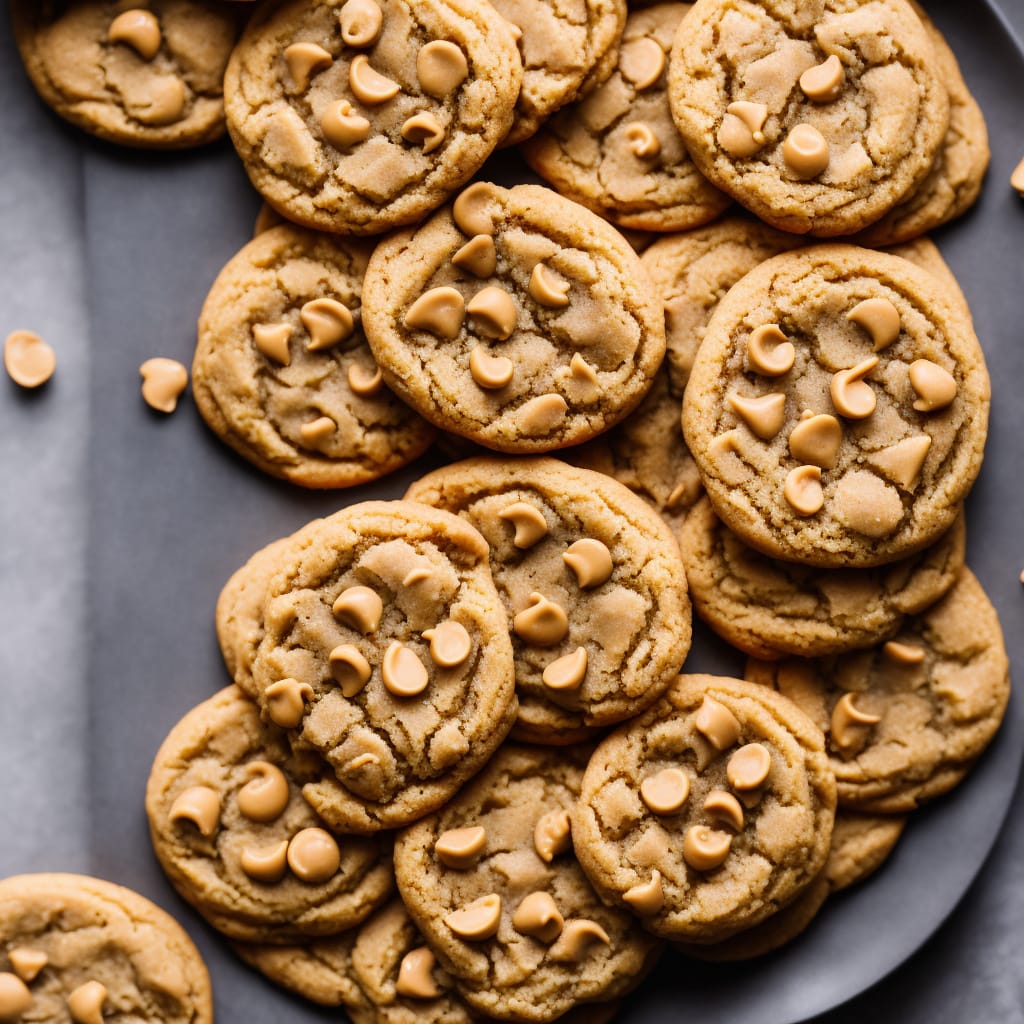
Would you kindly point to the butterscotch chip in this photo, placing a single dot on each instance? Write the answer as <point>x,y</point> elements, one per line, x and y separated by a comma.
<point>163,381</point>
<point>30,362</point>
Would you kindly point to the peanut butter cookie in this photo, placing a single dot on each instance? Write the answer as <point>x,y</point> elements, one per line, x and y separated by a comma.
<point>861,843</point>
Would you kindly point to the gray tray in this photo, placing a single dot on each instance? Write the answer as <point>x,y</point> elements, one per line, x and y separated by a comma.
<point>119,526</point>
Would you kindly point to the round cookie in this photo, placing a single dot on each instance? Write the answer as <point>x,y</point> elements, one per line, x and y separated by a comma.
<point>861,843</point>
<point>71,944</point>
<point>768,608</point>
<point>516,922</point>
<point>357,115</point>
<point>283,374</point>
<point>817,117</point>
<point>386,649</point>
<point>147,76</point>
<point>590,579</point>
<point>838,407</point>
<point>709,812</point>
<point>237,840</point>
<point>618,151</point>
<point>923,252</point>
<point>906,720</point>
<point>515,318</point>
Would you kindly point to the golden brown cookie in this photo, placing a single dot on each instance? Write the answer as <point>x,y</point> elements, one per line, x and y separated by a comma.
<point>860,845</point>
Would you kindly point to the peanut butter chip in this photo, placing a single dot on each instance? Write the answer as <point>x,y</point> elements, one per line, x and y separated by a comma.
<point>880,318</point>
<point>770,352</point>
<point>363,382</point>
<point>847,723</point>
<point>641,62</point>
<point>578,939</point>
<point>27,964</point>
<point>904,654</point>
<point>902,462</point>
<point>139,29</point>
<point>304,60</point>
<point>717,724</point>
<point>740,134</point>
<point>368,86</point>
<point>567,672</point>
<point>805,151</point>
<point>328,322</point>
<point>361,22</point>
<point>641,140</point>
<point>852,396</point>
<point>86,1003</point>
<point>802,490</point>
<point>816,441</point>
<point>542,414</point>
<point>441,68</point>
<point>360,608</point>
<point>824,82</point>
<point>585,377</point>
<point>163,381</point>
<point>542,623</point>
<point>725,807</point>
<point>201,806</point>
<point>265,863</point>
<point>477,920</point>
<point>286,702</point>
<point>704,849</point>
<point>317,431</point>
<point>265,796</point>
<point>439,311</point>
<point>414,975</point>
<point>29,361</point>
<point>418,574</point>
<point>538,917</point>
<point>342,126</point>
<point>666,791</point>
<point>425,130</point>
<point>935,386</point>
<point>590,560</point>
<point>547,288</point>
<point>725,444</point>
<point>469,211</point>
<point>529,523</point>
<point>764,415</point>
<point>552,835</point>
<point>1017,178</point>
<point>647,898</point>
<point>749,767</point>
<point>165,101</point>
<point>460,848</point>
<point>402,671</point>
<point>450,644</point>
<point>494,312</point>
<point>490,372</point>
<point>478,256</point>
<point>272,340</point>
<point>313,856</point>
<point>15,998</point>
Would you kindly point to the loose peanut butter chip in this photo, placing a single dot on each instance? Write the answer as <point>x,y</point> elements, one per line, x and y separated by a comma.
<point>852,396</point>
<point>904,654</point>
<point>547,288</point>
<point>415,980</point>
<point>542,623</point>
<point>402,671</point>
<point>880,318</point>
<point>538,917</point>
<point>313,856</point>
<point>740,134</point>
<point>725,807</point>
<point>816,441</point>
<point>342,126</point>
<point>529,523</point>
<point>717,724</point>
<point>360,608</point>
<point>749,767</point>
<point>460,848</point>
<point>317,431</point>
<point>704,849</point>
<point>15,998</point>
<point>304,60</point>
<point>641,140</point>
<point>542,414</point>
<point>567,672</point>
<point>363,382</point>
<point>494,312</point>
<point>441,68</point>
<point>490,372</point>
<point>805,151</point>
<point>666,791</point>
<point>201,806</point>
<point>590,560</point>
<point>328,322</point>
<point>935,386</point>
<point>266,864</point>
<point>27,964</point>
<point>847,723</point>
<point>138,29</point>
<point>265,796</point>
<point>478,256</point>
<point>764,415</point>
<point>164,101</point>
<point>470,209</point>
<point>163,381</point>
<point>272,340</point>
<point>85,1004</point>
<point>450,643</point>
<point>824,82</point>
<point>477,920</point>
<point>648,897</point>
<point>425,130</point>
<point>361,22</point>
<point>578,939</point>
<point>641,62</point>
<point>1017,178</point>
<point>29,361</point>
<point>770,352</point>
<point>368,86</point>
<point>439,311</point>
<point>803,491</point>
<point>902,462</point>
<point>286,702</point>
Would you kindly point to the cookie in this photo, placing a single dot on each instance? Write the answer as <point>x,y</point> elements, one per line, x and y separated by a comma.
<point>357,115</point>
<point>838,407</point>
<point>923,252</point>
<point>72,947</point>
<point>590,579</point>
<point>232,831</point>
<point>767,607</point>
<point>282,372</point>
<point>709,812</point>
<point>146,76</point>
<point>618,151</point>
<point>818,118</point>
<point>906,720</point>
<point>386,649</point>
<point>493,885</point>
<point>515,318</point>
<point>861,843</point>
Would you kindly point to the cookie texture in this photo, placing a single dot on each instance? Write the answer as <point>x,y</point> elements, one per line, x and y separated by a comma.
<point>817,117</point>
<point>516,319</point>
<point>282,371</point>
<point>88,933</point>
<point>838,407</point>
<point>861,843</point>
<point>382,112</point>
<point>153,80</point>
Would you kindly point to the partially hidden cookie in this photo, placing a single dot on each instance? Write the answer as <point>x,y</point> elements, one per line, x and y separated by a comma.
<point>861,843</point>
<point>906,720</point>
<point>590,579</point>
<point>618,151</point>
<point>838,407</point>
<point>817,117</point>
<point>709,812</point>
<point>282,372</point>
<point>386,649</point>
<point>356,115</point>
<point>149,75</point>
<point>493,885</point>
<point>232,831</point>
<point>515,318</point>
<point>77,948</point>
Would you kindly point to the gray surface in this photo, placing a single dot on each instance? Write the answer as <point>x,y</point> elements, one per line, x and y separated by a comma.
<point>119,526</point>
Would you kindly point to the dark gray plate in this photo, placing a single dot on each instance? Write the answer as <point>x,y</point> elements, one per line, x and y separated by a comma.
<point>119,526</point>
